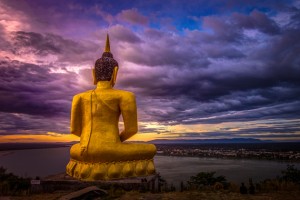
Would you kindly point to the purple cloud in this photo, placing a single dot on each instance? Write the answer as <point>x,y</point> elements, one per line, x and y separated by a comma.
<point>133,16</point>
<point>256,20</point>
<point>233,64</point>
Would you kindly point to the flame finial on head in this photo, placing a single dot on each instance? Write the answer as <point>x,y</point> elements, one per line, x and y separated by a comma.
<point>107,45</point>
<point>105,65</point>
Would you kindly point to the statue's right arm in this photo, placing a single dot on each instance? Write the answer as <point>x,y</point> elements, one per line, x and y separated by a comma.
<point>129,114</point>
<point>76,116</point>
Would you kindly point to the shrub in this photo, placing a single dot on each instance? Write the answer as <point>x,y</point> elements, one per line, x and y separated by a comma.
<point>291,174</point>
<point>204,179</point>
<point>12,184</point>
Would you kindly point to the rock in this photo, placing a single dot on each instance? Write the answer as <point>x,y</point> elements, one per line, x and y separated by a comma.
<point>91,192</point>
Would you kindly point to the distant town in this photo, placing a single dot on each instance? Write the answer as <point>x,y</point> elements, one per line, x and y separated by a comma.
<point>266,151</point>
<point>216,148</point>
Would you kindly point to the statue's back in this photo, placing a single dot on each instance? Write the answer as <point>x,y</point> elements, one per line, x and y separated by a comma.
<point>101,153</point>
<point>101,109</point>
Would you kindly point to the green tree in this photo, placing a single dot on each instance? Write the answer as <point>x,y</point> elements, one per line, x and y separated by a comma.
<point>206,179</point>
<point>3,174</point>
<point>12,184</point>
<point>291,174</point>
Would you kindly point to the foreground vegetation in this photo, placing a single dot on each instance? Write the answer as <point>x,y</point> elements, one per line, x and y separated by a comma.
<point>288,181</point>
<point>204,185</point>
<point>11,184</point>
<point>186,195</point>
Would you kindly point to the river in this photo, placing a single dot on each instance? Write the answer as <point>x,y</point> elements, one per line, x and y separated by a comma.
<point>44,162</point>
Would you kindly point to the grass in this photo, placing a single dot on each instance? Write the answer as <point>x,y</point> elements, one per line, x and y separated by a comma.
<point>186,195</point>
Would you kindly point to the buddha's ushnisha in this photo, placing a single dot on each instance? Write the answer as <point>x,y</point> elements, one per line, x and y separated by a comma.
<point>101,153</point>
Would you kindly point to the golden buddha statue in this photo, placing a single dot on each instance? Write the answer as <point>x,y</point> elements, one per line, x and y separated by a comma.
<point>101,153</point>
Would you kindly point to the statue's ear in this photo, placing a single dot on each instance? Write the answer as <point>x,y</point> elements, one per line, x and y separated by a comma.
<point>94,77</point>
<point>114,76</point>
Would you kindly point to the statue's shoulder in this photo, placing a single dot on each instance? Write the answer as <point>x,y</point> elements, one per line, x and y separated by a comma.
<point>124,93</point>
<point>83,95</point>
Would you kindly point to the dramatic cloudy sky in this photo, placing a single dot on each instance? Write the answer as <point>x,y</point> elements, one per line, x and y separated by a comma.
<point>199,69</point>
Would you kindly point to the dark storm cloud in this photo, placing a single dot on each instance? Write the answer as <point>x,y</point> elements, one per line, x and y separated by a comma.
<point>40,44</point>
<point>221,30</point>
<point>258,129</point>
<point>50,44</point>
<point>223,52</point>
<point>168,50</point>
<point>144,129</point>
<point>238,106</point>
<point>246,79</point>
<point>233,134</point>
<point>31,89</point>
<point>256,20</point>
<point>295,18</point>
<point>123,34</point>
<point>3,42</point>
<point>34,99</point>
<point>133,16</point>
<point>19,123</point>
<point>275,130</point>
<point>222,61</point>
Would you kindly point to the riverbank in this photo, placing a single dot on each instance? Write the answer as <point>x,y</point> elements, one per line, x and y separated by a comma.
<point>285,152</point>
<point>45,162</point>
<point>28,146</point>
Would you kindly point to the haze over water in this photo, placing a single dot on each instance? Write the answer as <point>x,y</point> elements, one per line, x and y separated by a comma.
<point>44,162</point>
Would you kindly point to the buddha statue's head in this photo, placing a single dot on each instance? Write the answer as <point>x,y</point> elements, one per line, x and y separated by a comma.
<point>106,67</point>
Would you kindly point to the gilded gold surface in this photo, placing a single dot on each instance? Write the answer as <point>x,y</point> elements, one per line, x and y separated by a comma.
<point>101,153</point>
<point>107,44</point>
